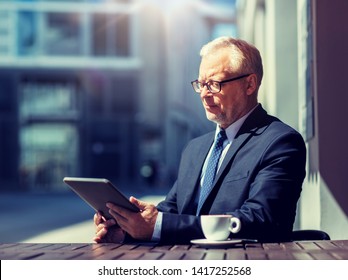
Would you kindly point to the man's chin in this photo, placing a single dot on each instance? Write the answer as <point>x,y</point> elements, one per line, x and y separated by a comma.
<point>214,118</point>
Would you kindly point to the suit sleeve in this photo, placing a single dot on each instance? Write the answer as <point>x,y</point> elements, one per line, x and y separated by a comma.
<point>179,223</point>
<point>177,228</point>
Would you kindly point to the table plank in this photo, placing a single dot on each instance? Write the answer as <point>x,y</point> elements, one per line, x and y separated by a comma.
<point>214,255</point>
<point>308,245</point>
<point>279,255</point>
<point>340,255</point>
<point>191,255</point>
<point>326,245</point>
<point>322,255</point>
<point>58,256</point>
<point>291,246</point>
<point>152,256</point>
<point>22,256</point>
<point>88,255</point>
<point>173,255</point>
<point>272,246</point>
<point>256,255</point>
<point>133,255</point>
<point>236,254</point>
<point>343,244</point>
<point>181,247</point>
<point>164,248</point>
<point>301,256</point>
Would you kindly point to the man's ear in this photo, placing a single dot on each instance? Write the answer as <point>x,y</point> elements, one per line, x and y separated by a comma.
<point>251,83</point>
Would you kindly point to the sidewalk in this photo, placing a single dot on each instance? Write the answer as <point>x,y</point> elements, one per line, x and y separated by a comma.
<point>42,218</point>
<point>78,233</point>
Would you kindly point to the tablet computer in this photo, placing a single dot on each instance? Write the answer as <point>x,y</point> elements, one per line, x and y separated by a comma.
<point>97,192</point>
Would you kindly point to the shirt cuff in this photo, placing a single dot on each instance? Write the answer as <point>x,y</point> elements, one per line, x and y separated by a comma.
<point>156,236</point>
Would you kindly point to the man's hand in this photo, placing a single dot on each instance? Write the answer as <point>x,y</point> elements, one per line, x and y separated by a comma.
<point>107,230</point>
<point>138,225</point>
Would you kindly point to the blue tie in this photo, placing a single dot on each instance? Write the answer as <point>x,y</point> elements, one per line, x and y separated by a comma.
<point>211,168</point>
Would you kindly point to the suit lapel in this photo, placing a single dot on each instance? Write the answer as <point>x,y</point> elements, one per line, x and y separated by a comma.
<point>235,146</point>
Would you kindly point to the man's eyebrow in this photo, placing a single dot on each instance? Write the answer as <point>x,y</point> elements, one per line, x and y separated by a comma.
<point>212,77</point>
<point>215,76</point>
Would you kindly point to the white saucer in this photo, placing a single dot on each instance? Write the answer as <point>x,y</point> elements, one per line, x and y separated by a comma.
<point>216,244</point>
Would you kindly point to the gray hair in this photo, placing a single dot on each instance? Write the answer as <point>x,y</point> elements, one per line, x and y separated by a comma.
<point>245,58</point>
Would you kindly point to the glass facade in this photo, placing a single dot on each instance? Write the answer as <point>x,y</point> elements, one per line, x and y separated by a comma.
<point>71,34</point>
<point>84,88</point>
<point>49,135</point>
<point>60,121</point>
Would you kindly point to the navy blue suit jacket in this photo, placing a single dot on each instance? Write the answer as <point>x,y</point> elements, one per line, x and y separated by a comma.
<point>259,181</point>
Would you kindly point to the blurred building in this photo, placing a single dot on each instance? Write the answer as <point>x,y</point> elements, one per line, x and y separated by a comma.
<point>304,44</point>
<point>101,88</point>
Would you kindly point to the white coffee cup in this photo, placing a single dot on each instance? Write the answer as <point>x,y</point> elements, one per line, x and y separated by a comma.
<point>219,227</point>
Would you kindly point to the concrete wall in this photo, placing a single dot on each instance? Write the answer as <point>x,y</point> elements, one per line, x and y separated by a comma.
<point>327,154</point>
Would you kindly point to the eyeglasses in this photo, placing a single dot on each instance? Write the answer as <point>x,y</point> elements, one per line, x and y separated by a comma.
<point>213,86</point>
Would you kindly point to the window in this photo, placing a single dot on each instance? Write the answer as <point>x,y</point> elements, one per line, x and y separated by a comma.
<point>47,97</point>
<point>48,154</point>
<point>62,35</point>
<point>110,34</point>
<point>27,38</point>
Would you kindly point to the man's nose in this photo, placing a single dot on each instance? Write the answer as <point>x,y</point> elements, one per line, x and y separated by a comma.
<point>205,91</point>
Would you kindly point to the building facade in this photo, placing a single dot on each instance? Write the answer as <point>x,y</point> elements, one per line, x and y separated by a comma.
<point>101,88</point>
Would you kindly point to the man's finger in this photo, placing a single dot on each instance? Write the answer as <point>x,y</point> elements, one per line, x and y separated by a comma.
<point>120,211</point>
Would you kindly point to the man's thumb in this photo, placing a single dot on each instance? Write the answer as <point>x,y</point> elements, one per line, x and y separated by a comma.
<point>138,203</point>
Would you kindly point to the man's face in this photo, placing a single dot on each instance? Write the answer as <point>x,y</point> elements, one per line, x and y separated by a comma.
<point>233,101</point>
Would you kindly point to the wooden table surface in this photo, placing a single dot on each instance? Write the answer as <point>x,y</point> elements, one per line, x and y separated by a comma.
<point>304,250</point>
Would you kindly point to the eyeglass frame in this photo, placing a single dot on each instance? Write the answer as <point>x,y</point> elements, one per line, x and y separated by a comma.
<point>219,82</point>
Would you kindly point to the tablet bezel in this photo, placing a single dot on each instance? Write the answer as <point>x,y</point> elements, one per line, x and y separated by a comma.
<point>96,192</point>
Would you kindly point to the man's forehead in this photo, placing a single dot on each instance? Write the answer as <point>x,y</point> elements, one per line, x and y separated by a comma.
<point>214,73</point>
<point>215,65</point>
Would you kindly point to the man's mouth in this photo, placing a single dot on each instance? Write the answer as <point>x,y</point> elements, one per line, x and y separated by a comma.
<point>209,106</point>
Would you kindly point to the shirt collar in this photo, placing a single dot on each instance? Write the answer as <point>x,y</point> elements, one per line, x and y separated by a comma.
<point>233,129</point>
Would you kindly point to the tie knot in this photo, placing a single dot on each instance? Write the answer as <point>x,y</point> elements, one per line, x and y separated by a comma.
<point>221,136</point>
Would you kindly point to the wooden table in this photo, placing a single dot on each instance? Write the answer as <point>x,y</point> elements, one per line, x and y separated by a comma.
<point>306,250</point>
